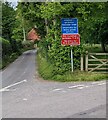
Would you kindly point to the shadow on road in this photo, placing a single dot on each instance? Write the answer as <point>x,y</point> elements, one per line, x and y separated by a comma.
<point>96,112</point>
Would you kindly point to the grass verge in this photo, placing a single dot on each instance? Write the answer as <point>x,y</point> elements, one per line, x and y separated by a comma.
<point>46,71</point>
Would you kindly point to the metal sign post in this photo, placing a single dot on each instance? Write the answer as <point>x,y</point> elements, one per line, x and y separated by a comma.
<point>71,59</point>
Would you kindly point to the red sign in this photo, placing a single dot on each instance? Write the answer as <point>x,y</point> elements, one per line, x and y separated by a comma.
<point>70,39</point>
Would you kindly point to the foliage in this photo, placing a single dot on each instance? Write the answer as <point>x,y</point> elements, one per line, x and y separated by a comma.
<point>28,44</point>
<point>46,71</point>
<point>91,17</point>
<point>12,35</point>
<point>60,57</point>
<point>17,31</point>
<point>9,45</point>
<point>8,20</point>
<point>8,59</point>
<point>92,22</point>
<point>27,16</point>
<point>95,23</point>
<point>10,51</point>
<point>7,53</point>
<point>6,47</point>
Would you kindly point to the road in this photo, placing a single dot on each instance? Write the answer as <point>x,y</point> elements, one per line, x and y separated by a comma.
<point>25,95</point>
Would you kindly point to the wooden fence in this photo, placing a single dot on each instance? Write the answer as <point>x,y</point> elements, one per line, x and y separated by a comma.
<point>95,62</point>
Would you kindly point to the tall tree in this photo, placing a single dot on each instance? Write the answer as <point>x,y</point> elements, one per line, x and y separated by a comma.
<point>8,20</point>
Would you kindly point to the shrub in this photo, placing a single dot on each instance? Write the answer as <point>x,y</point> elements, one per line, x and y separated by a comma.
<point>60,56</point>
<point>28,44</point>
<point>6,47</point>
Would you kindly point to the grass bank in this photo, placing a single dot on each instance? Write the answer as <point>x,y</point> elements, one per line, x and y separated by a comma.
<point>46,71</point>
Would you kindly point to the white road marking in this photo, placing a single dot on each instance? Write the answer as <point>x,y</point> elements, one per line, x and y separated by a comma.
<point>101,83</point>
<point>25,99</point>
<point>97,82</point>
<point>2,90</point>
<point>75,86</point>
<point>6,88</point>
<point>83,87</point>
<point>58,89</point>
<point>93,84</point>
<point>80,87</point>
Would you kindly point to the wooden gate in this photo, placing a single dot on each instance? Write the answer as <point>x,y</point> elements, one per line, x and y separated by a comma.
<point>95,62</point>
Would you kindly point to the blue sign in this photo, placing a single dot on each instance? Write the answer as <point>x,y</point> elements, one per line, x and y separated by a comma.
<point>69,25</point>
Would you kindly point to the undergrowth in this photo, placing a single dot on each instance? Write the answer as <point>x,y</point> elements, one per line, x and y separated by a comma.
<point>47,72</point>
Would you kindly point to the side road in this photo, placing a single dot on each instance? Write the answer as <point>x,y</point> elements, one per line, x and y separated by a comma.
<point>25,96</point>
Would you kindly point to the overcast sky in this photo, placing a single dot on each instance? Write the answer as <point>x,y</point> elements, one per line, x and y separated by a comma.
<point>14,2</point>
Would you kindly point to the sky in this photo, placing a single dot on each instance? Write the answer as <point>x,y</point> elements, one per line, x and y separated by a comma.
<point>14,2</point>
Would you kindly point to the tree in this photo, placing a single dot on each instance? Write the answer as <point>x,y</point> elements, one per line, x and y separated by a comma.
<point>8,20</point>
<point>92,23</point>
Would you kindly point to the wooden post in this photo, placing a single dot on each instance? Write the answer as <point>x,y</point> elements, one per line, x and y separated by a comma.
<point>86,61</point>
<point>82,62</point>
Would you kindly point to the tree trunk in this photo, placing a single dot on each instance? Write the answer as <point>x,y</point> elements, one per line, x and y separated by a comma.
<point>46,20</point>
<point>103,47</point>
<point>54,24</point>
<point>46,24</point>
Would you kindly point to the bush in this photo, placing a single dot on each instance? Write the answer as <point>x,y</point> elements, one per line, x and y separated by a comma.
<point>16,45</point>
<point>28,44</point>
<point>60,57</point>
<point>47,72</point>
<point>6,47</point>
<point>11,49</point>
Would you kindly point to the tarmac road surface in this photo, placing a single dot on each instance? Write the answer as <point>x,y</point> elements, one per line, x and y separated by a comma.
<point>25,95</point>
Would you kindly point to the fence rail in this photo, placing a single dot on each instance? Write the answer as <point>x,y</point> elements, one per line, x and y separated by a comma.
<point>95,62</point>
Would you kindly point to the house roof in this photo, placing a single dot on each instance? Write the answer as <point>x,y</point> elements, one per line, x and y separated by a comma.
<point>32,35</point>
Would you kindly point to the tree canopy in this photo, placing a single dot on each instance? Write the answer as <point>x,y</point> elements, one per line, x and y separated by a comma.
<point>92,23</point>
<point>91,16</point>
